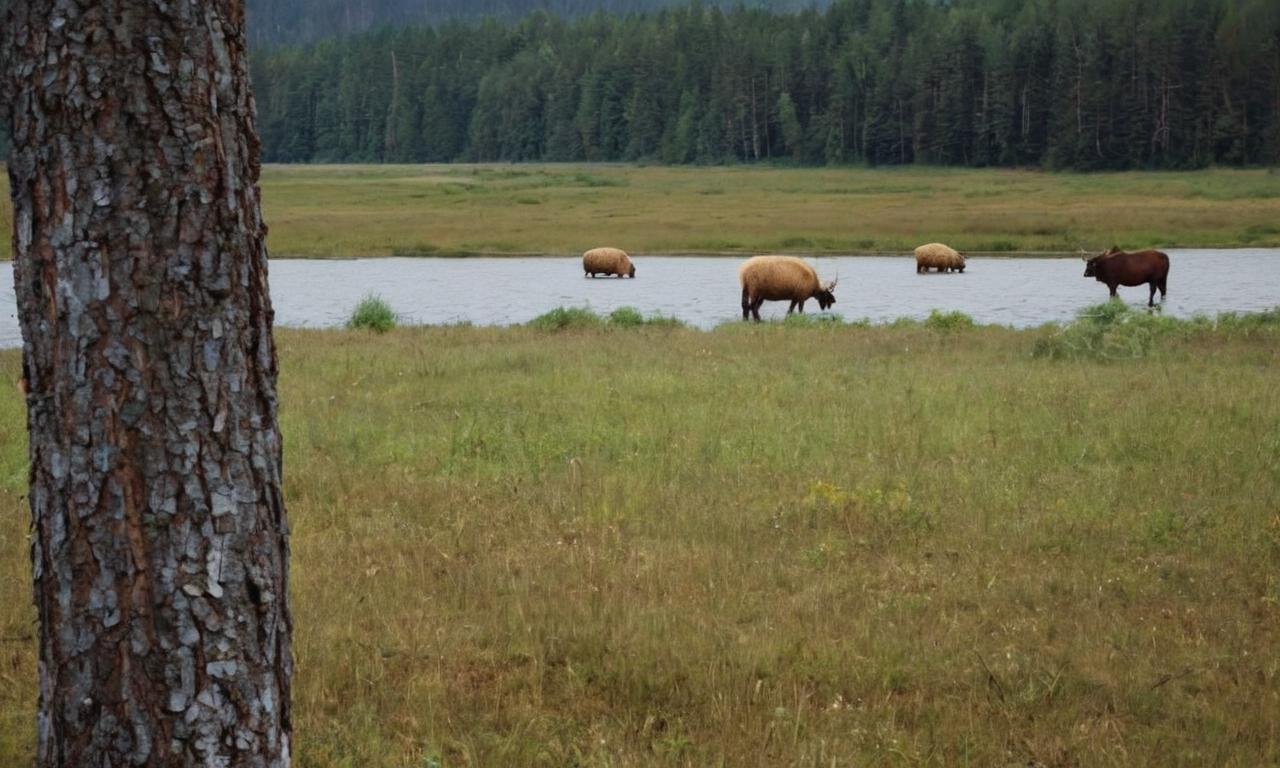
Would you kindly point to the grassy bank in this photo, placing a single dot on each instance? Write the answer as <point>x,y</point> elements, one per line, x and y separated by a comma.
<point>451,210</point>
<point>613,546</point>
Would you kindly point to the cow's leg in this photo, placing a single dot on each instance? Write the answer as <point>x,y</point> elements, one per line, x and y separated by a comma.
<point>1163,284</point>
<point>755,308</point>
<point>791,307</point>
<point>1151,300</point>
<point>746,303</point>
<point>1112,286</point>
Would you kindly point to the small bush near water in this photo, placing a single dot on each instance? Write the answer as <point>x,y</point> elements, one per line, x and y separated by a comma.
<point>816,320</point>
<point>373,313</point>
<point>626,317</point>
<point>948,321</point>
<point>571,318</point>
<point>630,317</point>
<point>937,321</point>
<point>566,318</point>
<point>1116,330</point>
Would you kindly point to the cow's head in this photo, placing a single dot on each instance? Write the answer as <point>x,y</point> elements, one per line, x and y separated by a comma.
<point>632,273</point>
<point>826,294</point>
<point>1091,262</point>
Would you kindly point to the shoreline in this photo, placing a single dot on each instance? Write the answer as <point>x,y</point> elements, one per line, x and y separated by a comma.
<point>695,254</point>
<point>585,319</point>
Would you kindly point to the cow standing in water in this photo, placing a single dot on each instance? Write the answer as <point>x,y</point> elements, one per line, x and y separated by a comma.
<point>1117,267</point>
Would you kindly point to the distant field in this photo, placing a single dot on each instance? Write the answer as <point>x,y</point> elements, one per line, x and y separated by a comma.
<point>776,545</point>
<point>328,211</point>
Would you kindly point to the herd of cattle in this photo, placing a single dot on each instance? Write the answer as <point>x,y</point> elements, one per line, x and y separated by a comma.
<point>787,278</point>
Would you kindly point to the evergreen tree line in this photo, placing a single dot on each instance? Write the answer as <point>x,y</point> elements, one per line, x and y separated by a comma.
<point>1080,84</point>
<point>273,22</point>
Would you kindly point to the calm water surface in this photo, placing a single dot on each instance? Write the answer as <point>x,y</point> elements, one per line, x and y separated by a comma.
<point>704,291</point>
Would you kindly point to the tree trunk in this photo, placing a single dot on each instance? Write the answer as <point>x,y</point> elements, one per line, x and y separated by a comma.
<point>391,146</point>
<point>755,124</point>
<point>160,542</point>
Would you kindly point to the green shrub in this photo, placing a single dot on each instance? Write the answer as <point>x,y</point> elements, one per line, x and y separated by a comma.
<point>566,318</point>
<point>630,317</point>
<point>1249,321</point>
<point>626,317</point>
<point>659,320</point>
<point>1117,331</point>
<point>1109,331</point>
<point>948,321</point>
<point>373,313</point>
<point>824,320</point>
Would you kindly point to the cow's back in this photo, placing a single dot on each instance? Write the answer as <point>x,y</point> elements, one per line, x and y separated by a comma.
<point>1135,267</point>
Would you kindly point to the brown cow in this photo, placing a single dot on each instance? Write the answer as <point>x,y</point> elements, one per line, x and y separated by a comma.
<point>1117,267</point>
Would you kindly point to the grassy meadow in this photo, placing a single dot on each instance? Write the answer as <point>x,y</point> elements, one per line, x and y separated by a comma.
<point>785,545</point>
<point>451,210</point>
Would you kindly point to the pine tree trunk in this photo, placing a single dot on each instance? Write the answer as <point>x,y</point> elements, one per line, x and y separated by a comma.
<point>160,543</point>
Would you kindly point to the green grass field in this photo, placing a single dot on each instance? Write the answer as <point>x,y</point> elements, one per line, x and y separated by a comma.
<point>450,210</point>
<point>777,545</point>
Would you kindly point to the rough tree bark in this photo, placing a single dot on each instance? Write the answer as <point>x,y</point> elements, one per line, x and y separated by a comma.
<point>160,542</point>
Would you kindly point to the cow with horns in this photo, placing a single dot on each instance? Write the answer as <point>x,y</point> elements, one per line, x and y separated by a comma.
<point>781,278</point>
<point>1116,267</point>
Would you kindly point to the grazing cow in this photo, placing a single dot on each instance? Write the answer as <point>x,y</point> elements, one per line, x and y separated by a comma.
<point>1117,267</point>
<point>937,256</point>
<point>607,261</point>
<point>781,278</point>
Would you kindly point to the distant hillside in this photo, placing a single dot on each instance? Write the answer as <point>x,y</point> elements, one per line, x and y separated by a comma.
<point>301,21</point>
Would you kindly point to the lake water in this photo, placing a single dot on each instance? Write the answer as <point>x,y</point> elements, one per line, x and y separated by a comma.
<point>704,291</point>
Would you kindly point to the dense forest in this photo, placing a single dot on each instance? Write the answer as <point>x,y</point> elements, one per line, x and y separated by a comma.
<point>1082,84</point>
<point>299,21</point>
